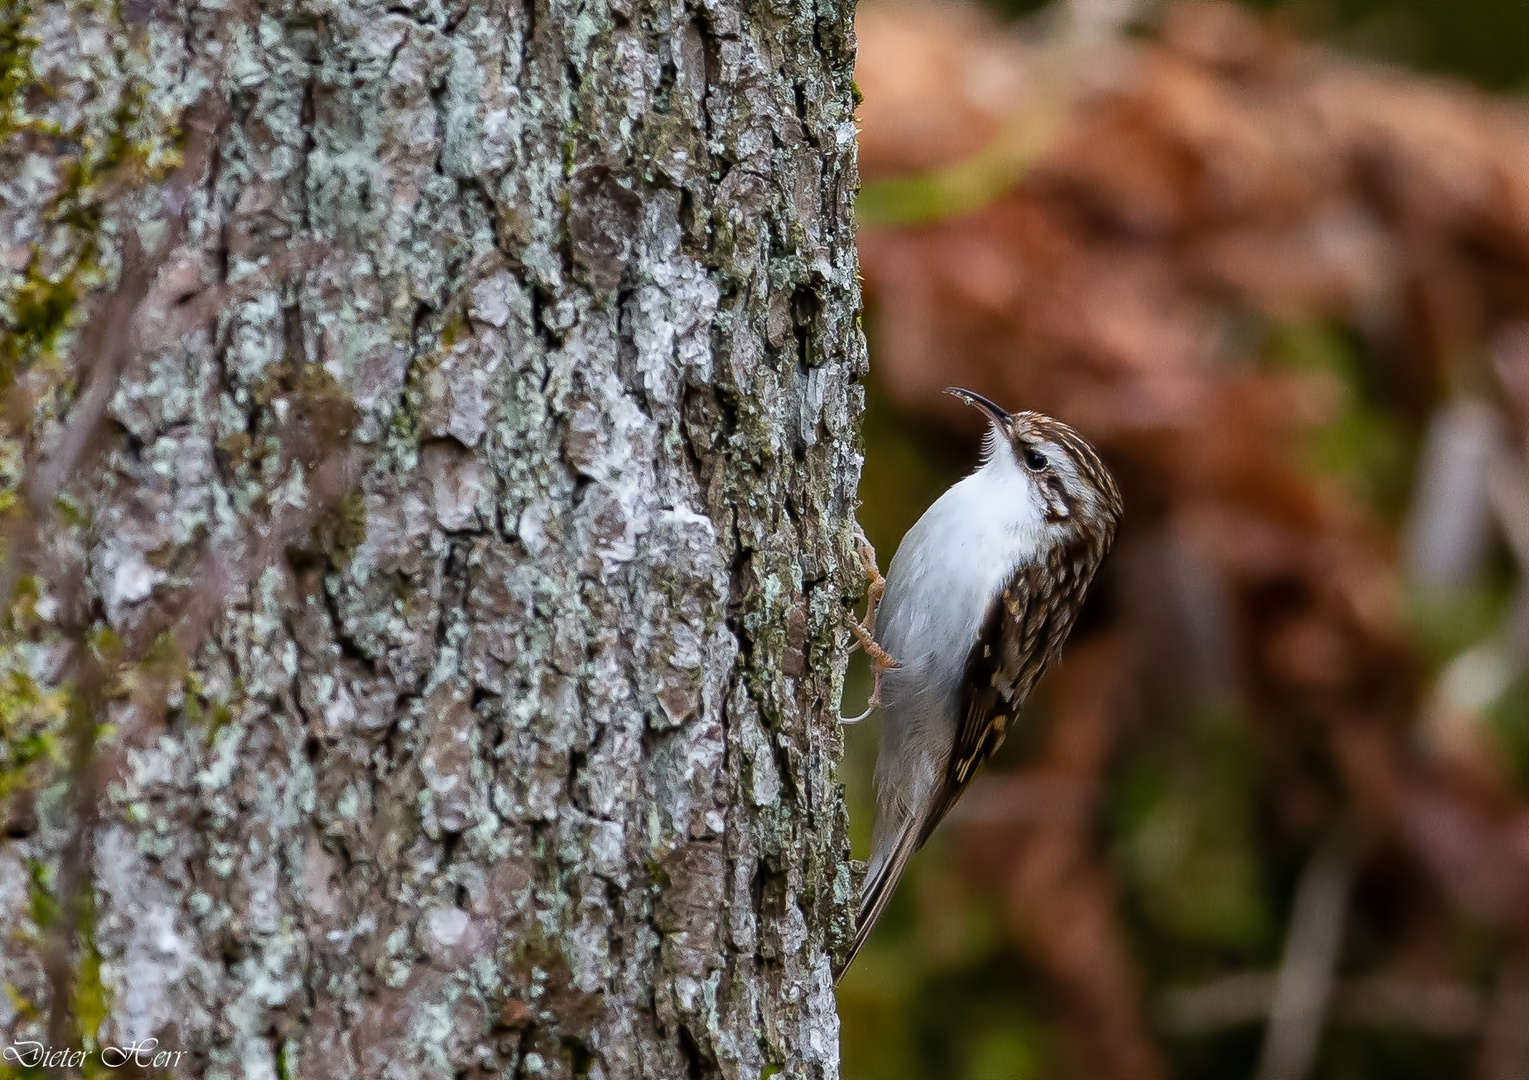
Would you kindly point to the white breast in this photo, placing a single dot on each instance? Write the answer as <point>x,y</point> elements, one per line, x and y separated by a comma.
<point>946,572</point>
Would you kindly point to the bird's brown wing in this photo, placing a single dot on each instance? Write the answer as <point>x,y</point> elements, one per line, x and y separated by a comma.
<point>1021,634</point>
<point>1024,630</point>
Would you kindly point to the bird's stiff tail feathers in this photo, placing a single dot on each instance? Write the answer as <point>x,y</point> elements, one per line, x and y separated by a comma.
<point>880,883</point>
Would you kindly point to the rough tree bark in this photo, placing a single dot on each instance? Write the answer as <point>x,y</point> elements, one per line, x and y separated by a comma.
<point>503,741</point>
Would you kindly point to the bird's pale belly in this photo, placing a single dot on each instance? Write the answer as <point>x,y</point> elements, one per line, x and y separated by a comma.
<point>932,603</point>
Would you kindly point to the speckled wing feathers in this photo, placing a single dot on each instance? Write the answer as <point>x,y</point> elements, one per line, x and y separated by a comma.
<point>1023,633</point>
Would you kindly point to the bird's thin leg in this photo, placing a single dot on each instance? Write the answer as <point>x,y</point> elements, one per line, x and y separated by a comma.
<point>865,629</point>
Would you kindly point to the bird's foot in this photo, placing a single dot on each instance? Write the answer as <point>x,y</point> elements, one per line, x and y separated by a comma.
<point>879,656</point>
<point>876,586</point>
<point>864,629</point>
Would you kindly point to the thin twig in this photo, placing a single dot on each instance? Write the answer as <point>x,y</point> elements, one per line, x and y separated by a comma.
<point>105,346</point>
<point>1303,988</point>
<point>1442,1010</point>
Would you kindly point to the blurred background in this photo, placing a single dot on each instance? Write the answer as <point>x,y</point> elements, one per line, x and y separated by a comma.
<point>1270,817</point>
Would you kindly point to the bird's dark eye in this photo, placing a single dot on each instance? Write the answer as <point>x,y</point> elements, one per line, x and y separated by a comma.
<point>1035,460</point>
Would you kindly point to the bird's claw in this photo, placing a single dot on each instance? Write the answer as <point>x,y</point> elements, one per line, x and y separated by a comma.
<point>864,629</point>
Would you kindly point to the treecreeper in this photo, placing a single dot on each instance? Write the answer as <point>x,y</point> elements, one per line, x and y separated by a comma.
<point>976,605</point>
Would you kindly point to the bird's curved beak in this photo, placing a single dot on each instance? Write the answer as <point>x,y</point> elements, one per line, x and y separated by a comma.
<point>997,415</point>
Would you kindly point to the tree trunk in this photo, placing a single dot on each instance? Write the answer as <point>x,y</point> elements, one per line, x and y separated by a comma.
<point>484,483</point>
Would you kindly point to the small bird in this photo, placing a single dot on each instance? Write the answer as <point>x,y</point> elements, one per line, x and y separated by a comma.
<point>979,598</point>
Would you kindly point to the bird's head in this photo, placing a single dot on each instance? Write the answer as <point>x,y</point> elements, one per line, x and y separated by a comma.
<point>1075,493</point>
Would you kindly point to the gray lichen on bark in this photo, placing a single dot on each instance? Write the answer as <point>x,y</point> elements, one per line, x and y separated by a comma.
<point>521,760</point>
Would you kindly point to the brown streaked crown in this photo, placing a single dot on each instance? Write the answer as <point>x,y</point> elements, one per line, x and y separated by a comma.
<point>1067,470</point>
